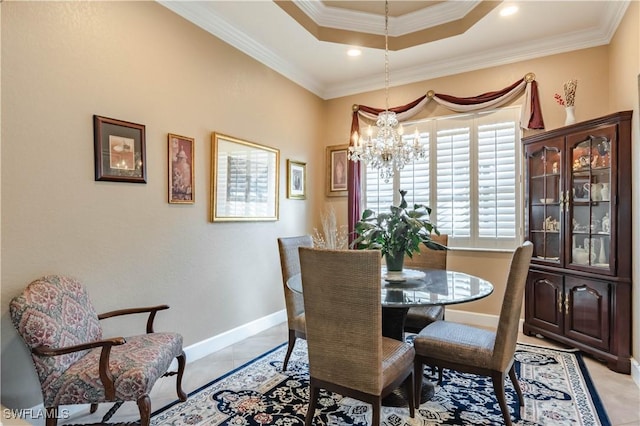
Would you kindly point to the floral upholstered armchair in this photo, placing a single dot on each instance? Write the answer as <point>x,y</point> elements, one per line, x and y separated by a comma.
<point>75,364</point>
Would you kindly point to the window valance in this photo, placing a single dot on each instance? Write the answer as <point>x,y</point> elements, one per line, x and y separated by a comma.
<point>531,118</point>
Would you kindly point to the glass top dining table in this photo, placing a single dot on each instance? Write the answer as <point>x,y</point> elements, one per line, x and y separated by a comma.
<point>418,287</point>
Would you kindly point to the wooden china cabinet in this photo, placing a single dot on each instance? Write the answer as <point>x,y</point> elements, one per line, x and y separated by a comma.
<point>578,216</point>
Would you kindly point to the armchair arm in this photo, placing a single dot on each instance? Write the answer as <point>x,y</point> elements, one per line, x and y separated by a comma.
<point>105,375</point>
<point>49,351</point>
<point>152,310</point>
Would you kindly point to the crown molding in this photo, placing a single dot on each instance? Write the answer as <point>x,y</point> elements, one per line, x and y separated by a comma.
<point>371,23</point>
<point>199,14</point>
<point>205,18</point>
<point>467,63</point>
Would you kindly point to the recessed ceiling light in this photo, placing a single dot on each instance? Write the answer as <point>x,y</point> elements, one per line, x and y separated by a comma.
<point>354,52</point>
<point>508,10</point>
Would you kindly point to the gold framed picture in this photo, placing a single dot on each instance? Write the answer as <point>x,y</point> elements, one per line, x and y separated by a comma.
<point>244,180</point>
<point>337,165</point>
<point>296,180</point>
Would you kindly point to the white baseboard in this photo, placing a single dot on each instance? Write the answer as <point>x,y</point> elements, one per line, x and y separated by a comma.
<point>215,343</point>
<point>474,318</point>
<point>635,371</point>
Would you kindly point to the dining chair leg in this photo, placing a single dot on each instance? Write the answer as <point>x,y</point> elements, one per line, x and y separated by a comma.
<point>498,388</point>
<point>411,396</point>
<point>311,408</point>
<point>516,385</point>
<point>377,408</point>
<point>418,369</point>
<point>292,343</point>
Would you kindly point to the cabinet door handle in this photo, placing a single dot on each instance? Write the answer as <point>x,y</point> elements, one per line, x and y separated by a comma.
<point>559,297</point>
<point>566,306</point>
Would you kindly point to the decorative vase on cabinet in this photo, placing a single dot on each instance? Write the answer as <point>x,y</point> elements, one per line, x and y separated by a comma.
<point>582,266</point>
<point>571,115</point>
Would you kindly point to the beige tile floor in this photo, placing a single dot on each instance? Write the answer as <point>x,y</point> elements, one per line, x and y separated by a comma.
<point>620,395</point>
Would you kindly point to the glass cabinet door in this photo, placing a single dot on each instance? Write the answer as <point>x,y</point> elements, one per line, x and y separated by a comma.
<point>588,203</point>
<point>545,203</point>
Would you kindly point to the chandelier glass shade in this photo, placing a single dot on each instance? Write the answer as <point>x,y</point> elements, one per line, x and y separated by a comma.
<point>387,151</point>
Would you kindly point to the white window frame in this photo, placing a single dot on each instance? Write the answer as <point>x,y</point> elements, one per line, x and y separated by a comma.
<point>428,129</point>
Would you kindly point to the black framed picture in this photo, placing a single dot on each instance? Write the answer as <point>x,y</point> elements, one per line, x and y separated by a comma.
<point>119,148</point>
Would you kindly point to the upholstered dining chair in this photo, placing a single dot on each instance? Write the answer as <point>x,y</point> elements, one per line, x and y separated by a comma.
<point>347,352</point>
<point>290,265</point>
<point>76,364</point>
<point>465,348</point>
<point>419,317</point>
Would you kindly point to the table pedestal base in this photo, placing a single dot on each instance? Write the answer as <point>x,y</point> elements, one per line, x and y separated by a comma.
<point>393,322</point>
<point>398,398</point>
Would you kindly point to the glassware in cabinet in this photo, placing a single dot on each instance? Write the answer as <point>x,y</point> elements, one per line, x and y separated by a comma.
<point>589,206</point>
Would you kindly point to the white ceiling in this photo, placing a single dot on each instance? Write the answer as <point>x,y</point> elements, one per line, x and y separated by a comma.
<point>264,31</point>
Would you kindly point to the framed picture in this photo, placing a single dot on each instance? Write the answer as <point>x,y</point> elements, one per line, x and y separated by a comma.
<point>119,148</point>
<point>337,163</point>
<point>296,180</point>
<point>244,180</point>
<point>181,173</point>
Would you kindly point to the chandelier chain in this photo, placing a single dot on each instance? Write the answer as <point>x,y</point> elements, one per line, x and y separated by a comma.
<point>386,54</point>
<point>387,151</point>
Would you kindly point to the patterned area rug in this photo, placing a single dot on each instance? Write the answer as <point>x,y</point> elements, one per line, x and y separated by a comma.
<point>556,386</point>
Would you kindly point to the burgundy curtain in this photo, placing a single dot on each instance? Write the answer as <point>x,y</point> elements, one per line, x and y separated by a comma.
<point>531,119</point>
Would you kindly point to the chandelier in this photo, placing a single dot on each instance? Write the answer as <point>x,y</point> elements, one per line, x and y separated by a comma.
<point>388,151</point>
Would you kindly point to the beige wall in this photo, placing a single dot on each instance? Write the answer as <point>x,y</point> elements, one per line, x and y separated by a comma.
<point>62,62</point>
<point>137,61</point>
<point>624,83</point>
<point>607,82</point>
<point>551,72</point>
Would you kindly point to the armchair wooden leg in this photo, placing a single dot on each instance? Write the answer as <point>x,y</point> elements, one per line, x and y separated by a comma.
<point>144,406</point>
<point>182,360</point>
<point>292,343</point>
<point>52,416</point>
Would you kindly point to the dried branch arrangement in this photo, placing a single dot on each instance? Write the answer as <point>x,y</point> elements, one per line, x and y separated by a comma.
<point>569,94</point>
<point>331,236</point>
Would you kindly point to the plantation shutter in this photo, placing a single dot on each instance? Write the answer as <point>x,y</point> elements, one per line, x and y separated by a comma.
<point>453,174</point>
<point>497,179</point>
<point>414,177</point>
<point>378,193</point>
<point>470,178</point>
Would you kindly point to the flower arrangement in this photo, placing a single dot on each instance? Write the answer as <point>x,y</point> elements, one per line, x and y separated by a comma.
<point>569,94</point>
<point>399,232</point>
